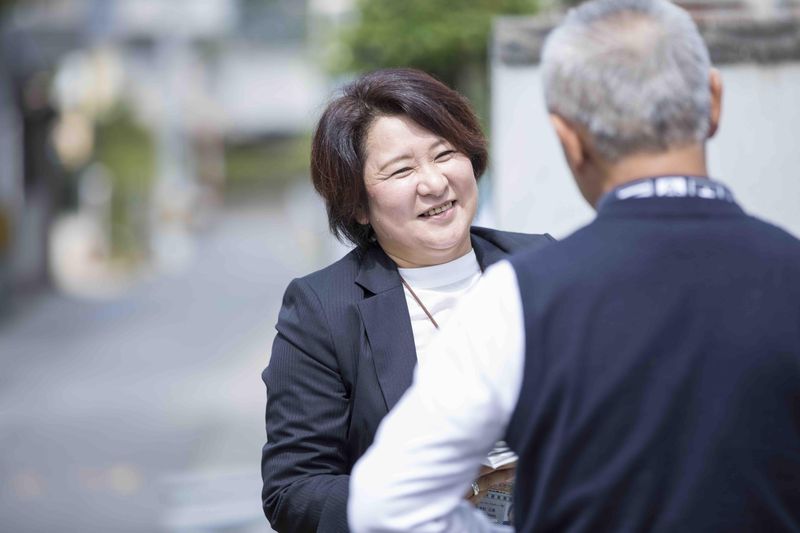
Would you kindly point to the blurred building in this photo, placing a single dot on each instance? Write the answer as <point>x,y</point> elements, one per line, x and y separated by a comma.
<point>194,75</point>
<point>29,177</point>
<point>756,46</point>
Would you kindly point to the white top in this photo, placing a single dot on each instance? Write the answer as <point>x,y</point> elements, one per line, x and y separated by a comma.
<point>439,288</point>
<point>429,447</point>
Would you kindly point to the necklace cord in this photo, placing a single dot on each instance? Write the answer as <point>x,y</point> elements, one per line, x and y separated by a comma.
<point>419,302</point>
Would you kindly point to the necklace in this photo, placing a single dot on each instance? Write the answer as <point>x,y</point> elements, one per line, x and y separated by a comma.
<point>419,302</point>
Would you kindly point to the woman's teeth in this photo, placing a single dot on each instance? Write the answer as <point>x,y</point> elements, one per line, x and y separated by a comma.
<point>436,210</point>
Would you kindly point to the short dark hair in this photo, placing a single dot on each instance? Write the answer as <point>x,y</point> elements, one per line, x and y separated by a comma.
<point>338,146</point>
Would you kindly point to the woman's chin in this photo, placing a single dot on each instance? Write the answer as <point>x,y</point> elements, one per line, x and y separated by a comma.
<point>449,248</point>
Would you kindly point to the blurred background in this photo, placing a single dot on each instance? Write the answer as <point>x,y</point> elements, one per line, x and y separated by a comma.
<point>155,202</point>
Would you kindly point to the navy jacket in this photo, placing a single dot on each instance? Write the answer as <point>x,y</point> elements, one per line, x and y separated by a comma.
<point>661,389</point>
<point>343,356</point>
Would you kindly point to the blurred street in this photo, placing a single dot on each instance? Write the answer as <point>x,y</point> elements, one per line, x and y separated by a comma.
<point>146,413</point>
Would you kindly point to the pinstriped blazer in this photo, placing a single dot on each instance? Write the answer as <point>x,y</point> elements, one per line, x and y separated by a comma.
<point>343,356</point>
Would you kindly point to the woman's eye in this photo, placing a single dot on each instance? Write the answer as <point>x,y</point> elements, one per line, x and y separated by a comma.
<point>400,172</point>
<point>444,156</point>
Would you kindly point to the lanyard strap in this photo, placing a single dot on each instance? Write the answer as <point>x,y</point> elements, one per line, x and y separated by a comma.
<point>668,187</point>
<point>419,302</point>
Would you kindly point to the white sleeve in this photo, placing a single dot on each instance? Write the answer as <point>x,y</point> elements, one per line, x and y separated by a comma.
<point>428,449</point>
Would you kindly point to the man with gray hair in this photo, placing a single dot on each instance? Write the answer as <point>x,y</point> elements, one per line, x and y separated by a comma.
<point>646,369</point>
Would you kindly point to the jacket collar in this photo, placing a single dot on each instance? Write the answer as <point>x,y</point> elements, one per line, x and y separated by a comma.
<point>377,273</point>
<point>669,207</point>
<point>384,314</point>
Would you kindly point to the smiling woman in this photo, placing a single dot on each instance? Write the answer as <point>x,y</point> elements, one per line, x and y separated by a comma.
<point>396,158</point>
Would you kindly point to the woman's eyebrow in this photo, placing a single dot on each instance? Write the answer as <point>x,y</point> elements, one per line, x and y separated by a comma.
<point>437,143</point>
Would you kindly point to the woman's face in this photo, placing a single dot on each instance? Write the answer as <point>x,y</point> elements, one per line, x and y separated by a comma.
<point>421,193</point>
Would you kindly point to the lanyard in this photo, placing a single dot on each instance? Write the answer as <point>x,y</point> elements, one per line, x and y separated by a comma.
<point>419,302</point>
<point>668,187</point>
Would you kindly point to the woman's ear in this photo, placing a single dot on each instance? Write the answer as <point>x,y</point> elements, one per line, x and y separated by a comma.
<point>362,217</point>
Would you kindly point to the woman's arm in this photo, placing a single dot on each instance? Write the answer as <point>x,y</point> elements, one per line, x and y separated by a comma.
<point>304,464</point>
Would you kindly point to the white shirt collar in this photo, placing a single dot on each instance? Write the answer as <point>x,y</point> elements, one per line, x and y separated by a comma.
<point>442,275</point>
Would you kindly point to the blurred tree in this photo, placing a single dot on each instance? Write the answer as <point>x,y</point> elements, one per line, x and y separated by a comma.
<point>447,38</point>
<point>127,152</point>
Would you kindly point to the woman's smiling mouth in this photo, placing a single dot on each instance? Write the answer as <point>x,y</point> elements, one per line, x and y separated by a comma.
<point>433,211</point>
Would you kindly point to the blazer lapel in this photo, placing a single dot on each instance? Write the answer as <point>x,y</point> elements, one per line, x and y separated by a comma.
<point>387,324</point>
<point>386,321</point>
<point>486,252</point>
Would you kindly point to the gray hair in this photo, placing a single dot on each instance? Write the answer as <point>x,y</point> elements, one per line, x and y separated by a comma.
<point>633,73</point>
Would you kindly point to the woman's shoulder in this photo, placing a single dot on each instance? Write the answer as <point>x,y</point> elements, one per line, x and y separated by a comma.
<point>324,300</point>
<point>511,241</point>
<point>340,271</point>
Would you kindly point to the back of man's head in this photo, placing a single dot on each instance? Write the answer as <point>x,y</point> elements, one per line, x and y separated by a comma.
<point>632,74</point>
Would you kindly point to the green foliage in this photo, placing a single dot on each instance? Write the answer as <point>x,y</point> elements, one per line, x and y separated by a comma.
<point>266,164</point>
<point>447,38</point>
<point>127,151</point>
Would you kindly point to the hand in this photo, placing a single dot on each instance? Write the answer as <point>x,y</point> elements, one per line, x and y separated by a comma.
<point>489,478</point>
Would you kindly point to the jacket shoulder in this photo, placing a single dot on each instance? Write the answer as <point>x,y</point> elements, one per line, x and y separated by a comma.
<point>511,241</point>
<point>340,271</point>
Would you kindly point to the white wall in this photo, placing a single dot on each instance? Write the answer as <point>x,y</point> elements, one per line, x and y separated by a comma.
<point>756,151</point>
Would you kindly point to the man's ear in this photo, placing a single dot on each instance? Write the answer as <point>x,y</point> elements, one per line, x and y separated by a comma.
<point>571,142</point>
<point>715,85</point>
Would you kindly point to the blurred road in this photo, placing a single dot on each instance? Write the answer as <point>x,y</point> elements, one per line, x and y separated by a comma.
<point>146,413</point>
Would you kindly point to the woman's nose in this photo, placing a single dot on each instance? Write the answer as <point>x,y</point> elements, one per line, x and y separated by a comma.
<point>432,182</point>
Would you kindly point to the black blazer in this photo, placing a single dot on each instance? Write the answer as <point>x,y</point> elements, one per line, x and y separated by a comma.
<point>343,356</point>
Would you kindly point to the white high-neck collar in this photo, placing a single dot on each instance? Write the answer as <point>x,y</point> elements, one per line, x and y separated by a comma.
<point>431,277</point>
